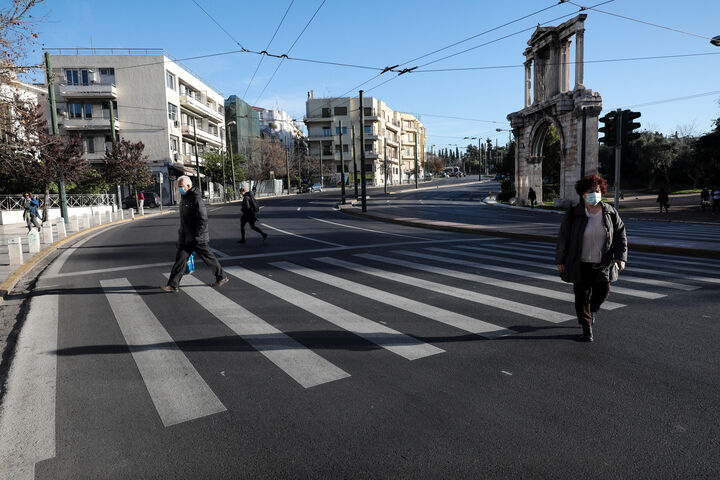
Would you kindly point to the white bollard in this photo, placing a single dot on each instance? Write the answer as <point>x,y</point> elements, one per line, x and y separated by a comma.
<point>85,224</point>
<point>47,233</point>
<point>109,216</point>
<point>122,215</point>
<point>34,241</point>
<point>61,232</point>
<point>97,219</point>
<point>15,251</point>
<point>74,225</point>
<point>132,213</point>
<point>141,210</point>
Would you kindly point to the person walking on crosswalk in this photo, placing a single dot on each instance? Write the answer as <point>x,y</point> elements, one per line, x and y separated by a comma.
<point>591,250</point>
<point>249,208</point>
<point>193,236</point>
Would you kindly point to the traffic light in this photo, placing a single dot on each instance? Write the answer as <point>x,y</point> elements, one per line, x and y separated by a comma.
<point>628,126</point>
<point>609,129</point>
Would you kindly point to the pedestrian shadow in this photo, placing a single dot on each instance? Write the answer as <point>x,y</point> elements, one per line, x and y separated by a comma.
<point>130,290</point>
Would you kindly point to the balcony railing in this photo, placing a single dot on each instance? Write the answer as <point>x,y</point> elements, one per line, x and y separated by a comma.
<point>86,123</point>
<point>202,134</point>
<point>96,90</point>
<point>202,108</point>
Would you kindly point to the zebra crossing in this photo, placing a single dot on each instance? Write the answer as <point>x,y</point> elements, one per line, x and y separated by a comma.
<point>412,281</point>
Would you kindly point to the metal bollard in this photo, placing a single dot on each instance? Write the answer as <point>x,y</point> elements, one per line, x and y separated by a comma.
<point>74,226</point>
<point>15,251</point>
<point>47,233</point>
<point>34,241</point>
<point>98,218</point>
<point>61,232</point>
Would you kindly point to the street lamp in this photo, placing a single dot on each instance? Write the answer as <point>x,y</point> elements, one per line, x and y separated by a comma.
<point>715,41</point>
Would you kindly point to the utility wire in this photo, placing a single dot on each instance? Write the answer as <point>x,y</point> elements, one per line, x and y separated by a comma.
<point>218,24</point>
<point>460,118</point>
<point>638,20</point>
<point>676,99</point>
<point>268,46</point>
<point>289,50</point>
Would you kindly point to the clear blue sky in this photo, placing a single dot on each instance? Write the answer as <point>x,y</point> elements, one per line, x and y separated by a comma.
<point>382,33</point>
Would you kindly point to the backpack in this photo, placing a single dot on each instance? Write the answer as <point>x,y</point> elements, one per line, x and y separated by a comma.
<point>254,204</point>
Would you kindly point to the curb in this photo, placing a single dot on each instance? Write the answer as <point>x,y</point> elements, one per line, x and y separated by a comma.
<point>9,283</point>
<point>435,187</point>
<point>471,229</point>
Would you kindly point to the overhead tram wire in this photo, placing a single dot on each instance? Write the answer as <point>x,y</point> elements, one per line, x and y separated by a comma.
<point>218,24</point>
<point>676,99</point>
<point>289,50</point>
<point>638,20</point>
<point>262,57</point>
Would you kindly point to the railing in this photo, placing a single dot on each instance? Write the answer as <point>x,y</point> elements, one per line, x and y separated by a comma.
<point>15,202</point>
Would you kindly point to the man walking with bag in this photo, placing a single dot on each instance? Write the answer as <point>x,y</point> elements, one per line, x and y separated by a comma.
<point>250,208</point>
<point>193,236</point>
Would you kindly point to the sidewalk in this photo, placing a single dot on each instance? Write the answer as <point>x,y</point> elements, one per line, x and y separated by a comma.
<point>11,274</point>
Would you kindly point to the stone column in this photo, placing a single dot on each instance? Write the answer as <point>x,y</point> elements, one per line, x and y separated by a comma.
<point>62,232</point>
<point>565,67</point>
<point>579,58</point>
<point>528,83</point>
<point>15,252</point>
<point>47,233</point>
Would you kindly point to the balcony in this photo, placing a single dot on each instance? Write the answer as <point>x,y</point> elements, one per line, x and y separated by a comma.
<point>201,108</point>
<point>392,142</point>
<point>321,137</point>
<point>189,131</point>
<point>371,154</point>
<point>392,126</point>
<point>317,117</point>
<point>83,124</point>
<point>95,157</point>
<point>89,91</point>
<point>189,159</point>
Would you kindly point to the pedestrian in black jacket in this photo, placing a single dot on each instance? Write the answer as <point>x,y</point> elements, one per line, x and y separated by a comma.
<point>663,200</point>
<point>193,236</point>
<point>249,214</point>
<point>591,250</point>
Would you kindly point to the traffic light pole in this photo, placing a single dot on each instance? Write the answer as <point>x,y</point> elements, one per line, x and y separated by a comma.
<point>618,154</point>
<point>342,164</point>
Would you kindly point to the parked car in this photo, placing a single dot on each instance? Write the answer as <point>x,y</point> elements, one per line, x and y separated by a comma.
<point>152,200</point>
<point>316,187</point>
<point>499,176</point>
<point>428,176</point>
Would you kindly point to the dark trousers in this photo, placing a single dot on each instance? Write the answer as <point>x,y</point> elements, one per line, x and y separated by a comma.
<point>589,293</point>
<point>34,220</point>
<point>203,251</point>
<point>251,220</point>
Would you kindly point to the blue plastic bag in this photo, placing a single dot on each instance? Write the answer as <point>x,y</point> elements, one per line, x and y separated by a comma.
<point>190,265</point>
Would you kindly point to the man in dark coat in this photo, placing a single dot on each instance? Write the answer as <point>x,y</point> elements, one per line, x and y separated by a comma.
<point>193,236</point>
<point>249,214</point>
<point>532,197</point>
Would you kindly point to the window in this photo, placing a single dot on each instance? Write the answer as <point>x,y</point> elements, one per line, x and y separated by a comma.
<point>107,76</point>
<point>170,80</point>
<point>77,76</point>
<point>337,130</point>
<point>368,130</point>
<point>326,131</point>
<point>369,147</point>
<point>172,111</point>
<point>174,143</point>
<point>88,110</point>
<point>75,110</point>
<point>345,147</point>
<point>368,111</point>
<point>408,124</point>
<point>107,71</point>
<point>326,113</point>
<point>340,110</point>
<point>89,144</point>
<point>410,137</point>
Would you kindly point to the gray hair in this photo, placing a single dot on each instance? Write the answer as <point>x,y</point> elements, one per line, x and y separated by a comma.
<point>184,178</point>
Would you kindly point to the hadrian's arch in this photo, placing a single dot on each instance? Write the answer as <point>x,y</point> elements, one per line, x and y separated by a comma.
<point>548,101</point>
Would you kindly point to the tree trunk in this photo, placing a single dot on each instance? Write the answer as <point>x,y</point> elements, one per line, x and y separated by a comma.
<point>46,202</point>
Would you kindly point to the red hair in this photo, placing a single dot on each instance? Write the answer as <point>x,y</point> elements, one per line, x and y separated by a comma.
<point>591,182</point>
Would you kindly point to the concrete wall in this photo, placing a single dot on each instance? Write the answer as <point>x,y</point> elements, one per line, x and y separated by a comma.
<point>16,216</point>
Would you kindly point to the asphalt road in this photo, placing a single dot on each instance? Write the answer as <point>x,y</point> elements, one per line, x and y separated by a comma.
<point>348,348</point>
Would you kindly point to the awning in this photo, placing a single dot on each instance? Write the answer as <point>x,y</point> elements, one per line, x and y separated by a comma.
<point>189,171</point>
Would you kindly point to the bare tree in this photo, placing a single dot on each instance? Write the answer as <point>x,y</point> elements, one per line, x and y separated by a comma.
<point>126,165</point>
<point>266,159</point>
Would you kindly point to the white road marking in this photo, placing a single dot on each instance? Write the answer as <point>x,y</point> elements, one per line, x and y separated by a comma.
<point>495,302</point>
<point>301,364</point>
<point>54,269</point>
<point>370,229</point>
<point>387,338</point>
<point>543,292</point>
<point>627,278</point>
<point>302,236</point>
<point>298,209</point>
<point>27,420</point>
<point>177,390</point>
<point>516,271</point>
<point>459,321</point>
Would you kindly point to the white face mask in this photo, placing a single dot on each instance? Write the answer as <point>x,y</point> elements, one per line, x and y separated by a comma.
<point>593,198</point>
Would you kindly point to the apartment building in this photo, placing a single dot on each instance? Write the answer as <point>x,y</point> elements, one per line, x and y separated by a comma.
<point>155,99</point>
<point>243,124</point>
<point>280,124</point>
<point>13,90</point>
<point>388,134</point>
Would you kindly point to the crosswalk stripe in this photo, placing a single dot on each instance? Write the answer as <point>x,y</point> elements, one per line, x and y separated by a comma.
<point>522,252</point>
<point>514,271</point>
<point>627,278</point>
<point>495,302</point>
<point>544,292</point>
<point>457,320</point>
<point>385,337</point>
<point>177,390</point>
<point>300,363</point>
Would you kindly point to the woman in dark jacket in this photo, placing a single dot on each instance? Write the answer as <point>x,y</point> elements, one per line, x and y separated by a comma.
<point>591,250</point>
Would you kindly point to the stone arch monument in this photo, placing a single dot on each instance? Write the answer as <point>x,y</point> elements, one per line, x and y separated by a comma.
<point>548,101</point>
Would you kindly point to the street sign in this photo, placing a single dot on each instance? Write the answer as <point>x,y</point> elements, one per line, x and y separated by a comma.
<point>160,177</point>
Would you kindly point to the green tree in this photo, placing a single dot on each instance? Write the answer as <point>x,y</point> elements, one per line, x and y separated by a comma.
<point>214,163</point>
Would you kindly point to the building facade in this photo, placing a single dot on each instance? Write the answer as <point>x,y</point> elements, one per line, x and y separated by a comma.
<point>155,100</point>
<point>246,126</point>
<point>280,124</point>
<point>13,90</point>
<point>395,137</point>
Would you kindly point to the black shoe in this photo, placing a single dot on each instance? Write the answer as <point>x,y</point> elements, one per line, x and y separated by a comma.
<point>587,335</point>
<point>264,236</point>
<point>241,241</point>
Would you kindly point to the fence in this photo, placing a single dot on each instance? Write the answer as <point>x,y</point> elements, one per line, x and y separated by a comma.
<point>15,202</point>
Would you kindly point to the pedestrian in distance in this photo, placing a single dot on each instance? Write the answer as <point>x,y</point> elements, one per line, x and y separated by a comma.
<point>250,208</point>
<point>716,199</point>
<point>193,236</point>
<point>532,197</point>
<point>30,213</point>
<point>591,250</point>
<point>663,200</point>
<point>704,198</point>
<point>140,200</point>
